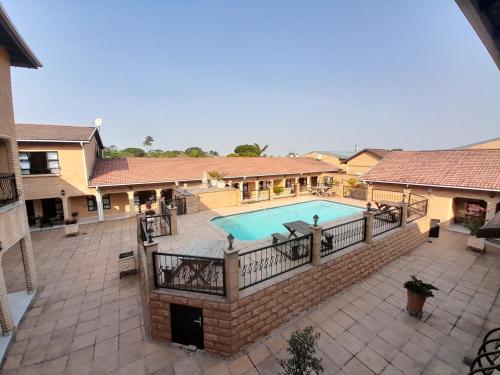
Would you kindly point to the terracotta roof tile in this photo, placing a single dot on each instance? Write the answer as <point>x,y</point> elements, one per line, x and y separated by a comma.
<point>55,133</point>
<point>479,169</point>
<point>147,170</point>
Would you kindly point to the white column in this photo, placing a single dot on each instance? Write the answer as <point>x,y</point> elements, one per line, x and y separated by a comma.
<point>100,211</point>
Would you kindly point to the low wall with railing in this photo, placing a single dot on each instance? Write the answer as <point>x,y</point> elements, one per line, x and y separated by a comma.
<point>244,296</point>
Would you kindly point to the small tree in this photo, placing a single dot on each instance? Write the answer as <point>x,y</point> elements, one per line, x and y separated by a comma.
<point>148,142</point>
<point>302,347</point>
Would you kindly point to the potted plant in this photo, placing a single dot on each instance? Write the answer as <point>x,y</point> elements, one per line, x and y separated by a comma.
<point>302,347</point>
<point>71,226</point>
<point>216,179</point>
<point>473,242</point>
<point>417,292</point>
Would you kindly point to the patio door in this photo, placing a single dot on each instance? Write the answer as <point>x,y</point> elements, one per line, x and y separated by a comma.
<point>187,325</point>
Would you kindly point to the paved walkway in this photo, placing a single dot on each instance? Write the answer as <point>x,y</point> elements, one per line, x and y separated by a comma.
<point>88,321</point>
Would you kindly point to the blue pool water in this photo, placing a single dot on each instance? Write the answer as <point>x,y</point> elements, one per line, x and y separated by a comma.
<point>257,225</point>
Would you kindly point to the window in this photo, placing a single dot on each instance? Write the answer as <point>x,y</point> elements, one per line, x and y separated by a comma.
<point>91,203</point>
<point>142,197</point>
<point>106,202</point>
<point>39,162</point>
<point>288,183</point>
<point>263,185</point>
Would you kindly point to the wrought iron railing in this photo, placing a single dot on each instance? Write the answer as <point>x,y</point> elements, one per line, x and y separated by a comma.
<point>255,195</point>
<point>488,355</point>
<point>8,189</point>
<point>157,225</point>
<point>305,189</point>
<point>189,273</point>
<point>270,261</point>
<point>386,220</point>
<point>416,208</point>
<point>358,192</point>
<point>387,195</point>
<point>341,236</point>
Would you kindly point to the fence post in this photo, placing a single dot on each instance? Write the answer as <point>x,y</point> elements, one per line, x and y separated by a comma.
<point>231,275</point>
<point>271,190</point>
<point>369,226</point>
<point>173,221</point>
<point>369,193</point>
<point>149,248</point>
<point>404,214</point>
<point>297,190</point>
<point>316,244</point>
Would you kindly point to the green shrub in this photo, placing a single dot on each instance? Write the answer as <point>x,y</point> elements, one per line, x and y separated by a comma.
<point>418,286</point>
<point>277,190</point>
<point>473,225</point>
<point>302,347</point>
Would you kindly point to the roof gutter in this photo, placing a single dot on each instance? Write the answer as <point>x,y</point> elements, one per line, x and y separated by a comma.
<point>49,141</point>
<point>430,185</point>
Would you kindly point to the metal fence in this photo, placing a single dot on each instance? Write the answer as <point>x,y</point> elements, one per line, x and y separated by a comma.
<point>157,225</point>
<point>358,192</point>
<point>386,220</point>
<point>417,207</point>
<point>190,273</point>
<point>8,189</point>
<point>340,236</point>
<point>387,195</point>
<point>255,195</point>
<point>270,261</point>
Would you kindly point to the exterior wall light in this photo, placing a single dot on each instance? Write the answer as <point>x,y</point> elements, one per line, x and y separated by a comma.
<point>230,239</point>
<point>316,218</point>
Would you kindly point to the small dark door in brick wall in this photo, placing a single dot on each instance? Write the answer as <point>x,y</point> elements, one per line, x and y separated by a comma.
<point>187,325</point>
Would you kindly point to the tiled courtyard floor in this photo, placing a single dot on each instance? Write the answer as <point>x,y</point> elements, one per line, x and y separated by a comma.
<point>88,321</point>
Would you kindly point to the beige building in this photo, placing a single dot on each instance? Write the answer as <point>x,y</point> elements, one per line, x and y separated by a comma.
<point>488,144</point>
<point>336,158</point>
<point>460,184</point>
<point>130,183</point>
<point>364,160</point>
<point>14,231</point>
<point>56,163</point>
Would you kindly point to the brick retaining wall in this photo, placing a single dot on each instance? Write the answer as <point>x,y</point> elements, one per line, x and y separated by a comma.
<point>229,327</point>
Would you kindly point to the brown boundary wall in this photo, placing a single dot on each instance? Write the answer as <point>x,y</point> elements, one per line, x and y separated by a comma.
<point>230,326</point>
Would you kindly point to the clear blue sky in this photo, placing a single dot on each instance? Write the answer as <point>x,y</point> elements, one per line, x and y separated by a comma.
<point>297,75</point>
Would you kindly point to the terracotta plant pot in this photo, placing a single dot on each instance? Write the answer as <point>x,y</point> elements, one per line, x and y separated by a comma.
<point>415,303</point>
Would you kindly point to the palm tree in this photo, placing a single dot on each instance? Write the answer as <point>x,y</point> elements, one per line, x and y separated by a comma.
<point>148,142</point>
<point>260,150</point>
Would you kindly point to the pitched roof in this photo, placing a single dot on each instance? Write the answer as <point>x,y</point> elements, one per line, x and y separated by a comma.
<point>55,133</point>
<point>338,154</point>
<point>108,172</point>
<point>477,143</point>
<point>19,52</point>
<point>469,169</point>
<point>378,152</point>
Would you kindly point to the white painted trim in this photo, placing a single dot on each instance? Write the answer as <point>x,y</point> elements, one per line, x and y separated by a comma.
<point>50,141</point>
<point>429,185</point>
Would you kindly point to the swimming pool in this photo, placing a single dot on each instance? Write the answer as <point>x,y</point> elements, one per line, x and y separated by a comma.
<point>257,225</point>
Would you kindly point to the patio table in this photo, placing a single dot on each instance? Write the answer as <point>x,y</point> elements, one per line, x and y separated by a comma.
<point>205,251</point>
<point>297,226</point>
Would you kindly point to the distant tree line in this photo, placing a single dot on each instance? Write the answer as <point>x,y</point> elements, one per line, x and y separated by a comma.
<point>246,150</point>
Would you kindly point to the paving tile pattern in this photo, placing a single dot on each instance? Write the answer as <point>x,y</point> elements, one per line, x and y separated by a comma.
<point>86,320</point>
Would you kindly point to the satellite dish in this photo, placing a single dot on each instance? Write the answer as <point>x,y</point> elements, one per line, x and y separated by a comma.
<point>98,121</point>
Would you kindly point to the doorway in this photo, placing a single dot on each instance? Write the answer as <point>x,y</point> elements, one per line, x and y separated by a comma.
<point>187,325</point>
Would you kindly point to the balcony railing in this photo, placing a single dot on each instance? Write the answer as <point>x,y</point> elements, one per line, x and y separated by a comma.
<point>341,236</point>
<point>8,189</point>
<point>387,220</point>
